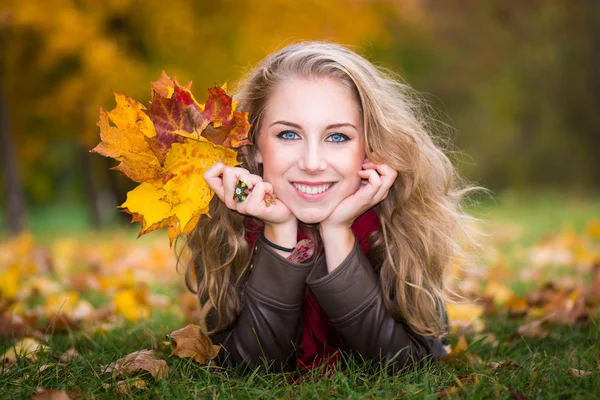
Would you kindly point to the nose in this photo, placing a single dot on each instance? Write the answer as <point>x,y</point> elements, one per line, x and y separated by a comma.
<point>313,160</point>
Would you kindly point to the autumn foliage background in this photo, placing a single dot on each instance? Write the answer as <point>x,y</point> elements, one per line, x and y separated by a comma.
<point>517,84</point>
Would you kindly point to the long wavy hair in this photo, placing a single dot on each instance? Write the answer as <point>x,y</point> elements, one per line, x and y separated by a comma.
<point>424,229</point>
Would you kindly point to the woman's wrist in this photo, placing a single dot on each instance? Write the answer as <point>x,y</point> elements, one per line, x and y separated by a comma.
<point>338,242</point>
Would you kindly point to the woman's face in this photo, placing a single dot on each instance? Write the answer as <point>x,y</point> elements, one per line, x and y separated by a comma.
<point>311,145</point>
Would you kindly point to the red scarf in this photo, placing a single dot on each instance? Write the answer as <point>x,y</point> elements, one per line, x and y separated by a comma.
<point>319,343</point>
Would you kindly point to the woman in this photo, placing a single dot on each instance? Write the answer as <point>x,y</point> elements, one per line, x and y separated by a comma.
<point>342,159</point>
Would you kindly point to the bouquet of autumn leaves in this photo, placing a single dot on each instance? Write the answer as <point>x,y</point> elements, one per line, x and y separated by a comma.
<point>168,147</point>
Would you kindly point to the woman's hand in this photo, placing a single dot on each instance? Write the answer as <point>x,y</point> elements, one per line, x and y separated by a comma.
<point>336,231</point>
<point>222,180</point>
<point>377,181</point>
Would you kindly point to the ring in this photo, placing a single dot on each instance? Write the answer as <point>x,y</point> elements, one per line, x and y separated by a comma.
<point>241,191</point>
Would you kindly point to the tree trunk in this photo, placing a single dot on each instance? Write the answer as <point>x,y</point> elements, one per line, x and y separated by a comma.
<point>15,212</point>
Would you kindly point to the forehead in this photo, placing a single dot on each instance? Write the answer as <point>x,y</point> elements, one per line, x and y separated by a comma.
<point>321,100</point>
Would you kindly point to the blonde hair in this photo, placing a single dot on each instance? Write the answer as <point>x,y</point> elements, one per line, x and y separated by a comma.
<point>423,227</point>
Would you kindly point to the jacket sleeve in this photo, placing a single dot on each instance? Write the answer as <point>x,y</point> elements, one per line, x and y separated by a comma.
<point>351,297</point>
<point>270,322</point>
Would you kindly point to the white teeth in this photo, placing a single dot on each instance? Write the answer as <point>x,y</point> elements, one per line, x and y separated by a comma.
<point>312,189</point>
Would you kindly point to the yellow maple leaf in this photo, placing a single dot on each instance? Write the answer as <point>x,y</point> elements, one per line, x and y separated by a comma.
<point>185,195</point>
<point>27,348</point>
<point>63,303</point>
<point>498,291</point>
<point>129,140</point>
<point>9,282</point>
<point>132,304</point>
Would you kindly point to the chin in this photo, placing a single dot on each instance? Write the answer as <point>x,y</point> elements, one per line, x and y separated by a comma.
<point>312,216</point>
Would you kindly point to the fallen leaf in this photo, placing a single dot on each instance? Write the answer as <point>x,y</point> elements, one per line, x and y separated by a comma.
<point>534,329</point>
<point>69,356</point>
<point>566,308</point>
<point>27,348</point>
<point>125,386</point>
<point>132,304</point>
<point>465,317</point>
<point>579,373</point>
<point>50,394</point>
<point>516,394</point>
<point>460,347</point>
<point>516,306</point>
<point>142,360</point>
<point>504,363</point>
<point>191,342</point>
<point>9,281</point>
<point>498,291</point>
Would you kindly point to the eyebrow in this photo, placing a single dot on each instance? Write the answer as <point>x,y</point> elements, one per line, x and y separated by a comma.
<point>332,126</point>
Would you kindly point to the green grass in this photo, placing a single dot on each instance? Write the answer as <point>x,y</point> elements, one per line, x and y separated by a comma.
<point>542,370</point>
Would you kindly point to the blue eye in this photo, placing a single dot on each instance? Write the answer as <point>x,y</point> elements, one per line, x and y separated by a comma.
<point>338,138</point>
<point>287,135</point>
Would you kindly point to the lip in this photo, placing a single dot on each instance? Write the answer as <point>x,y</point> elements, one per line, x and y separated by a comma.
<point>306,183</point>
<point>312,197</point>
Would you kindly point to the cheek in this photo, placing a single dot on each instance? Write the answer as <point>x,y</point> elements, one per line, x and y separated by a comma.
<point>274,166</point>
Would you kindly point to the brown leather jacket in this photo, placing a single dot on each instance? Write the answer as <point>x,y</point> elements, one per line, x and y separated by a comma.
<point>270,323</point>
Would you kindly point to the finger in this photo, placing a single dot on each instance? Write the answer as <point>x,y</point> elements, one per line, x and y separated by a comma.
<point>250,179</point>
<point>373,183</point>
<point>388,177</point>
<point>213,179</point>
<point>257,197</point>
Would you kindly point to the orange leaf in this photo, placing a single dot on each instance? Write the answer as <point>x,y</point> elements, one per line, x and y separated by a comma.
<point>191,342</point>
<point>165,85</point>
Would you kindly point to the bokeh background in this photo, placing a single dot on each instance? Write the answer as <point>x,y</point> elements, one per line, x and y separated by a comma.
<point>517,82</point>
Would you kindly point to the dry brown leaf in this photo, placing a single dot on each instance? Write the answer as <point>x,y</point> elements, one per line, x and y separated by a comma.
<point>504,363</point>
<point>70,356</point>
<point>143,360</point>
<point>125,386</point>
<point>579,373</point>
<point>516,394</point>
<point>191,342</point>
<point>542,296</point>
<point>534,329</point>
<point>566,308</point>
<point>50,394</point>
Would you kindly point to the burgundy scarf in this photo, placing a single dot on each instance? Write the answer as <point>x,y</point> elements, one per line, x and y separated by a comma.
<point>319,343</point>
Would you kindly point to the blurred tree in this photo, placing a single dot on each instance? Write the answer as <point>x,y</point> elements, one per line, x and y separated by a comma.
<point>60,61</point>
<point>523,88</point>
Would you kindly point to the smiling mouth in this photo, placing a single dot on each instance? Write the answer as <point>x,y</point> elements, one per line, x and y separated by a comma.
<point>312,190</point>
